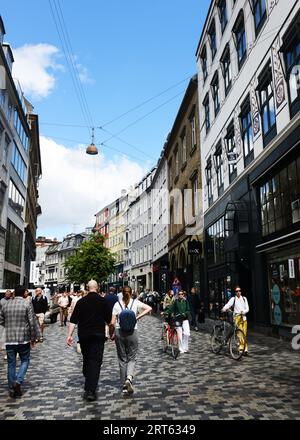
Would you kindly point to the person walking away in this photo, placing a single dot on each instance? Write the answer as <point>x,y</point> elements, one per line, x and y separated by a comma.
<point>180,309</point>
<point>63,303</point>
<point>123,328</point>
<point>40,307</point>
<point>21,327</point>
<point>7,296</point>
<point>195,305</point>
<point>90,315</point>
<point>239,305</point>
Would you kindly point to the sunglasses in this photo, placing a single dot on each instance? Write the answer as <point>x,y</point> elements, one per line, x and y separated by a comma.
<point>238,290</point>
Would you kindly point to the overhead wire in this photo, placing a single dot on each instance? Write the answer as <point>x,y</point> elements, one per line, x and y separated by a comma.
<point>67,50</point>
<point>98,144</point>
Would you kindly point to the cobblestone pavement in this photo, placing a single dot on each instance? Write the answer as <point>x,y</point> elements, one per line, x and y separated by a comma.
<point>198,385</point>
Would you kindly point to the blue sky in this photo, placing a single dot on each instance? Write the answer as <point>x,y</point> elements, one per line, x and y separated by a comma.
<point>126,52</point>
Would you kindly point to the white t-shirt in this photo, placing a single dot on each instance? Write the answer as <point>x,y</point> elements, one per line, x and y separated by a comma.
<point>136,307</point>
<point>240,305</point>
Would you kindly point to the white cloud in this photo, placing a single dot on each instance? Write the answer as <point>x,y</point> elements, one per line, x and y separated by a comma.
<point>34,67</point>
<point>75,186</point>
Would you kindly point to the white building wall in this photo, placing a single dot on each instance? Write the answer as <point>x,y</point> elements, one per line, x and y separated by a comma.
<point>244,82</point>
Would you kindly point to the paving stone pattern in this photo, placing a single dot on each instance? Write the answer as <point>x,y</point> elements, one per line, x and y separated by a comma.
<point>198,385</point>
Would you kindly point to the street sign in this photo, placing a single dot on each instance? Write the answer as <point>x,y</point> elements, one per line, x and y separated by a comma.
<point>232,158</point>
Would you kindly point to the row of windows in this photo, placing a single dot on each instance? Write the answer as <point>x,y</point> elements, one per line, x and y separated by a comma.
<point>259,14</point>
<point>266,100</point>
<point>142,255</point>
<point>187,144</point>
<point>141,231</point>
<point>19,164</point>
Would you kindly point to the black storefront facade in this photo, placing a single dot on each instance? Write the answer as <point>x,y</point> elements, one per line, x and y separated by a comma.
<point>252,238</point>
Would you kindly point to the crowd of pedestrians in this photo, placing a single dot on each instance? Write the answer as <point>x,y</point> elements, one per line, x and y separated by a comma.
<point>98,316</point>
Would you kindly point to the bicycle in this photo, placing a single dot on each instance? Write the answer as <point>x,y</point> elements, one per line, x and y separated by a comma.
<point>170,337</point>
<point>220,336</point>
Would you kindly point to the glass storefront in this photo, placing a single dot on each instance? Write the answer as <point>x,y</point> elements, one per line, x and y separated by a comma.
<point>284,286</point>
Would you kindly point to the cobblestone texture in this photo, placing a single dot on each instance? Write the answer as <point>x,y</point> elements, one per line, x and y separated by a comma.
<point>198,385</point>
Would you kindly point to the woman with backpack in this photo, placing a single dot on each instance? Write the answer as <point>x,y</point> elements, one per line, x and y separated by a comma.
<point>123,328</point>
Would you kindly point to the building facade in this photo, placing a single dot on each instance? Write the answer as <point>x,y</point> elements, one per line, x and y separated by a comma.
<point>42,244</point>
<point>182,153</point>
<point>32,209</point>
<point>14,149</point>
<point>68,247</point>
<point>141,236</point>
<point>249,95</point>
<point>160,219</point>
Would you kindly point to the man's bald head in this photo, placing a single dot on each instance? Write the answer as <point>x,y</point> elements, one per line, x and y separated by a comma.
<point>93,286</point>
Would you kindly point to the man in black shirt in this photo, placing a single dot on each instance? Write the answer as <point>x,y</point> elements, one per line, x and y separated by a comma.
<point>40,307</point>
<point>90,315</point>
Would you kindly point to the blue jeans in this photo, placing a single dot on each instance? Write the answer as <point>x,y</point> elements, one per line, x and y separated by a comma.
<point>24,353</point>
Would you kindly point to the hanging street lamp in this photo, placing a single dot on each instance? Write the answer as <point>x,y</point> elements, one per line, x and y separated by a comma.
<point>92,149</point>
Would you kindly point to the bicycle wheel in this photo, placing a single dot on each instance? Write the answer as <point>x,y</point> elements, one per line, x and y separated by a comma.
<point>216,340</point>
<point>164,339</point>
<point>174,344</point>
<point>237,344</point>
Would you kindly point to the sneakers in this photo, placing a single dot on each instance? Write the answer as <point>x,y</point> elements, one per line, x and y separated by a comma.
<point>128,385</point>
<point>5,358</point>
<point>125,390</point>
<point>41,339</point>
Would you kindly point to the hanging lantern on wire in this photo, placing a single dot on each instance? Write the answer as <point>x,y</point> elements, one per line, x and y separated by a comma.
<point>92,149</point>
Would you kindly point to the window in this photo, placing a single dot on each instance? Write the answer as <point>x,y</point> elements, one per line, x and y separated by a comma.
<point>204,63</point>
<point>222,7</point>
<point>19,164</point>
<point>206,112</point>
<point>219,169</point>
<point>247,135</point>
<point>170,173</point>
<point>280,199</point>
<point>13,245</point>
<point>192,119</point>
<point>196,201</point>
<point>213,39</point>
<point>216,93</point>
<point>240,39</point>
<point>209,182</point>
<point>215,236</point>
<point>2,98</point>
<point>267,105</point>
<point>6,150</point>
<point>15,199</point>
<point>20,130</point>
<point>291,49</point>
<point>176,162</point>
<point>260,14</point>
<point>226,68</point>
<point>231,152</point>
<point>183,147</point>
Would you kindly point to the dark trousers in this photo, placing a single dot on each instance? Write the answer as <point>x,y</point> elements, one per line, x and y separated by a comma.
<point>92,353</point>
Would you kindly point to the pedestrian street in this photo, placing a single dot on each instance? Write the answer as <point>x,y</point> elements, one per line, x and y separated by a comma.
<point>198,385</point>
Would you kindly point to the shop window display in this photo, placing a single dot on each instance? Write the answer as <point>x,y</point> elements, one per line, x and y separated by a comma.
<point>284,281</point>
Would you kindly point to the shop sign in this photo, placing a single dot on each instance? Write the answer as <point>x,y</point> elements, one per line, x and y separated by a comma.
<point>277,315</point>
<point>276,294</point>
<point>291,268</point>
<point>194,247</point>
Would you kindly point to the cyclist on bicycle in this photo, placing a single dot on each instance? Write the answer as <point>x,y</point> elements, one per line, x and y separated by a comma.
<point>240,307</point>
<point>180,310</point>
